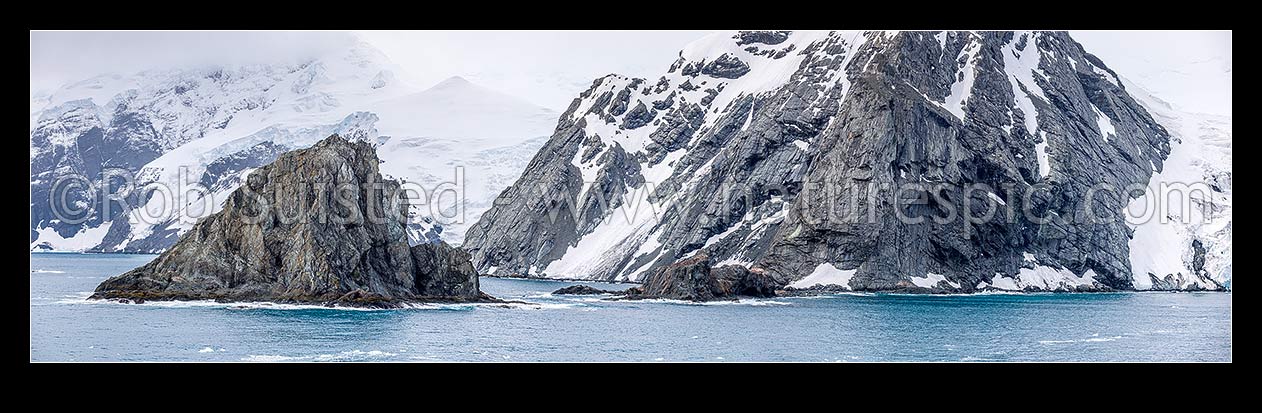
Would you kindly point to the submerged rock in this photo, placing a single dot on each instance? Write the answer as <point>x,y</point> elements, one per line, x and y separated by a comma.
<point>695,279</point>
<point>318,225</point>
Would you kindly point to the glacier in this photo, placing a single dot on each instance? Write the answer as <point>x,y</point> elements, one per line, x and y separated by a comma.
<point>213,125</point>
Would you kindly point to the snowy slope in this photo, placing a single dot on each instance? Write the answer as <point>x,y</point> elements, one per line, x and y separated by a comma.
<point>1198,169</point>
<point>486,135</point>
<point>769,68</point>
<point>211,126</point>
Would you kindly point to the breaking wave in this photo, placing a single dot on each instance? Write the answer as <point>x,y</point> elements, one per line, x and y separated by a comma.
<point>82,299</point>
<point>351,355</point>
<point>1095,338</point>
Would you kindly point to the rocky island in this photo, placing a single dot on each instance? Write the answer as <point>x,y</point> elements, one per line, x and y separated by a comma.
<point>693,279</point>
<point>320,226</point>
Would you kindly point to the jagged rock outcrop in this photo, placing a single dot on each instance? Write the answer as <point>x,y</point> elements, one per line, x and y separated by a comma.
<point>846,157</point>
<point>317,225</point>
<point>761,36</point>
<point>695,279</point>
<point>583,290</point>
<point>726,66</point>
<point>443,271</point>
<point>735,280</point>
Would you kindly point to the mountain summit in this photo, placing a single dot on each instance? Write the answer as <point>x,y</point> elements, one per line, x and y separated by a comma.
<point>452,82</point>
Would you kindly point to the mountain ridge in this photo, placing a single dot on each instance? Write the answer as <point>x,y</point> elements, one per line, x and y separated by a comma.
<point>768,112</point>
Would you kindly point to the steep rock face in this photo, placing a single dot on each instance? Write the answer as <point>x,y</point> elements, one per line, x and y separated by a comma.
<point>316,225</point>
<point>443,271</point>
<point>859,151</point>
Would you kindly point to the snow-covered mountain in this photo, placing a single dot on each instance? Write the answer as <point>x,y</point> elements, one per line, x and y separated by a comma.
<point>456,124</point>
<point>752,143</point>
<point>208,127</point>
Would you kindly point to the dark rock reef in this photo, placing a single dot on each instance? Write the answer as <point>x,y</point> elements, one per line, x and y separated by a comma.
<point>696,279</point>
<point>584,290</point>
<point>692,279</point>
<point>318,225</point>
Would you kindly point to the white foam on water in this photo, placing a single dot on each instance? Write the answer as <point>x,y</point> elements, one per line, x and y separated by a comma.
<point>269,358</point>
<point>1094,339</point>
<point>530,306</point>
<point>82,299</point>
<point>1004,292</point>
<point>350,355</point>
<point>833,294</point>
<point>746,302</point>
<point>47,272</point>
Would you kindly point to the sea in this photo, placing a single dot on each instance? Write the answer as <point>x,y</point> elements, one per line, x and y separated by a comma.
<point>996,327</point>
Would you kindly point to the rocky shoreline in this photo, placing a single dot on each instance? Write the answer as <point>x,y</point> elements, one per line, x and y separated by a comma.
<point>696,279</point>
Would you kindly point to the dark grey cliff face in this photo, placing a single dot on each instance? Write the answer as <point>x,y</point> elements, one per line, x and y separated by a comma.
<point>848,151</point>
<point>316,225</point>
<point>889,135</point>
<point>80,140</point>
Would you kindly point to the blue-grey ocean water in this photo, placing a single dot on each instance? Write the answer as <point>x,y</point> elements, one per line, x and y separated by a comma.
<point>847,328</point>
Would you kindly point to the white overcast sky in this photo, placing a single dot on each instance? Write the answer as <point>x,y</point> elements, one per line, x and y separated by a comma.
<point>1191,69</point>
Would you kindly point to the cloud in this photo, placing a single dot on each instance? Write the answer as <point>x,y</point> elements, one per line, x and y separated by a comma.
<point>550,68</point>
<point>62,57</point>
<point>1191,69</point>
